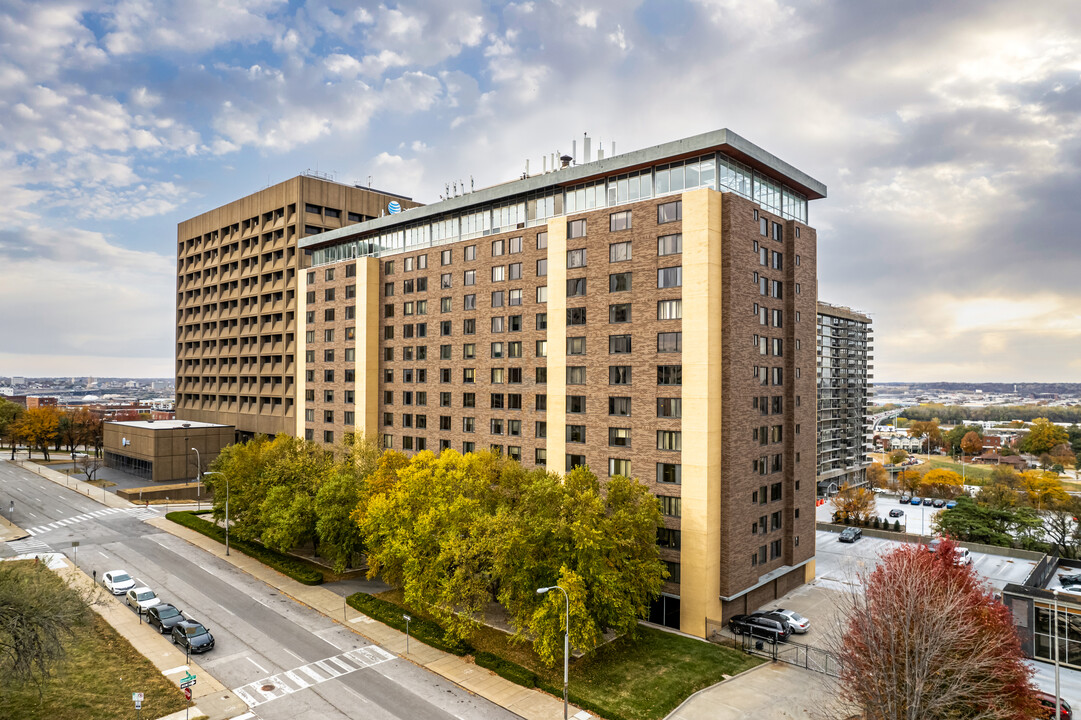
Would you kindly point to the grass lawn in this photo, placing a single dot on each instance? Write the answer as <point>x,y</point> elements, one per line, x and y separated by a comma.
<point>635,680</point>
<point>95,682</point>
<point>974,474</point>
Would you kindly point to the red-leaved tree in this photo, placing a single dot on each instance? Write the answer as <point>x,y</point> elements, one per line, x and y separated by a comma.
<point>924,639</point>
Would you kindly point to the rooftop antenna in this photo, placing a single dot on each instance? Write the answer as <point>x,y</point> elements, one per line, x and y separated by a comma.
<point>587,147</point>
<point>455,188</point>
<point>574,149</point>
<point>446,188</point>
<point>470,183</point>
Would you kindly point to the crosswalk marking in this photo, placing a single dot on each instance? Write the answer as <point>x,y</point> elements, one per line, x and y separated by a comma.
<point>140,513</point>
<point>29,546</point>
<point>295,680</point>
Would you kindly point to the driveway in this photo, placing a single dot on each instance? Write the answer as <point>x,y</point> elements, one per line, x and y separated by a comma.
<point>772,690</point>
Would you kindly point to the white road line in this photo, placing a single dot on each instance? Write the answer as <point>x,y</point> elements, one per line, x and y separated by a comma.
<point>31,532</point>
<point>297,679</point>
<point>103,554</point>
<point>261,668</point>
<point>346,666</point>
<point>314,675</point>
<point>293,654</point>
<point>361,697</point>
<point>322,665</point>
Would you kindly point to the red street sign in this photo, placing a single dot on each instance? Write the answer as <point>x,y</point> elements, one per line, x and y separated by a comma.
<point>187,693</point>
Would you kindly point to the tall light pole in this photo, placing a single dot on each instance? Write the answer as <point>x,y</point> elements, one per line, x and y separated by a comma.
<point>566,641</point>
<point>215,472</point>
<point>1058,700</point>
<point>198,464</point>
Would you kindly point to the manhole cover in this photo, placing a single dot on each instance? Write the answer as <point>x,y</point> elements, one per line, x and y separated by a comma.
<point>267,688</point>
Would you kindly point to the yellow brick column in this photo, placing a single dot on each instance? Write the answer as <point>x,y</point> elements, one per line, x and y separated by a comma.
<point>367,367</point>
<point>556,417</point>
<point>299,364</point>
<point>700,552</point>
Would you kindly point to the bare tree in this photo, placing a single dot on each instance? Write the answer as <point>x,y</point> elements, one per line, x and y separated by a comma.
<point>88,465</point>
<point>923,639</point>
<point>38,613</point>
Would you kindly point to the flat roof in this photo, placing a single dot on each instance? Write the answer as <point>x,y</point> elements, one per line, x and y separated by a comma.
<point>723,140</point>
<point>166,424</point>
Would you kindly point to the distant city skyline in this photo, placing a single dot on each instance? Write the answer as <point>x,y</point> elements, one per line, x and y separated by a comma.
<point>946,132</point>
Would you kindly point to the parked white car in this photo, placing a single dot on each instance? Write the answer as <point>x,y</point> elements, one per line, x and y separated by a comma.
<point>962,556</point>
<point>797,622</point>
<point>117,582</point>
<point>141,598</point>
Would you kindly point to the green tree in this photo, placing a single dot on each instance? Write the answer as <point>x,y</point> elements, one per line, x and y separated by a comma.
<point>340,538</point>
<point>1043,435</point>
<point>919,428</point>
<point>896,457</point>
<point>973,522</point>
<point>956,434</point>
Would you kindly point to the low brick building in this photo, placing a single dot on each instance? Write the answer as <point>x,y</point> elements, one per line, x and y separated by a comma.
<point>162,450</point>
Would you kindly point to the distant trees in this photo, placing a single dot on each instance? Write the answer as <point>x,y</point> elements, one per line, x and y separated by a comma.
<point>956,434</point>
<point>941,483</point>
<point>972,443</point>
<point>991,524</point>
<point>923,638</point>
<point>919,428</point>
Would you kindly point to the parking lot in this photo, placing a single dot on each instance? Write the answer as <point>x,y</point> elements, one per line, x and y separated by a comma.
<point>916,519</point>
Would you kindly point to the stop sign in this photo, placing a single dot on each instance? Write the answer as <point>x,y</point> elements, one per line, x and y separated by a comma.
<point>187,693</point>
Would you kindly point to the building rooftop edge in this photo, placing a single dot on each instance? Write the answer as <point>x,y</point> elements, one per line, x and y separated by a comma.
<point>703,143</point>
<point>825,308</point>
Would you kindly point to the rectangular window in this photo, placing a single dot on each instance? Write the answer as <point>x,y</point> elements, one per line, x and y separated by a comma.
<point>619,282</point>
<point>576,433</point>
<point>497,350</point>
<point>576,229</point>
<point>541,402</point>
<point>542,240</point>
<point>620,313</point>
<point>469,351</point>
<point>470,252</point>
<point>669,374</point>
<point>514,271</point>
<point>445,304</point>
<point>469,277</point>
<point>670,244</point>
<point>669,342</point>
<point>576,258</point>
<point>445,257</point>
<point>576,375</point>
<point>619,374</point>
<point>669,440</point>
<point>540,429</point>
<point>499,273</point>
<point>619,406</point>
<point>669,407</point>
<point>617,466</point>
<point>499,324</point>
<point>446,281</point>
<point>619,252</point>
<point>514,245</point>
<point>469,326</point>
<point>670,506</point>
<point>497,299</point>
<point>542,294</point>
<point>576,316</point>
<point>497,248</point>
<point>669,473</point>
<point>542,321</point>
<point>619,221</point>
<point>542,267</point>
<point>469,400</point>
<point>670,310</point>
<point>574,461</point>
<point>498,375</point>
<point>619,437</point>
<point>670,277</point>
<point>469,424</point>
<point>469,375</point>
<point>669,212</point>
<point>388,267</point>
<point>514,297</point>
<point>618,344</point>
<point>576,404</point>
<point>576,287</point>
<point>469,302</point>
<point>576,346</point>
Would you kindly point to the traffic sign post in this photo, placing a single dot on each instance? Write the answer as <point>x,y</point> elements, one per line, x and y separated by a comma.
<point>75,549</point>
<point>187,693</point>
<point>137,698</point>
<point>185,684</point>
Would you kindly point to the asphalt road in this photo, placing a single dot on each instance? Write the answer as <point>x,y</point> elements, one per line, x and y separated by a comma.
<point>288,661</point>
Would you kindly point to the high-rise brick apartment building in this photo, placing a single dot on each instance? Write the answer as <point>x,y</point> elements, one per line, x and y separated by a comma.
<point>236,299</point>
<point>843,348</point>
<point>650,314</point>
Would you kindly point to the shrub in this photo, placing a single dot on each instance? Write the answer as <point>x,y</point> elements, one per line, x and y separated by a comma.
<point>897,526</point>
<point>847,520</point>
<point>427,631</point>
<point>272,558</point>
<point>505,668</point>
<point>876,523</point>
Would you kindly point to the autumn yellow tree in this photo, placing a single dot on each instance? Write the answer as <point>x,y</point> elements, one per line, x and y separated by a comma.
<point>855,503</point>
<point>1042,436</point>
<point>941,483</point>
<point>38,427</point>
<point>909,480</point>
<point>1043,489</point>
<point>878,477</point>
<point>897,457</point>
<point>931,428</point>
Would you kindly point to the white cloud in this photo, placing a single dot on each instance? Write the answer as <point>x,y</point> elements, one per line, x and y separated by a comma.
<point>138,26</point>
<point>586,18</point>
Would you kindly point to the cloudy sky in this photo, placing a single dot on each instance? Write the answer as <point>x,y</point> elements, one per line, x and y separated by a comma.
<point>948,133</point>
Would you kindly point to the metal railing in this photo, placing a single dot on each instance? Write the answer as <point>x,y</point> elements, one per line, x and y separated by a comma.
<point>798,654</point>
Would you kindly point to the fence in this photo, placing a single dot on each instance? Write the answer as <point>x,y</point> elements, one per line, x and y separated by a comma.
<point>798,654</point>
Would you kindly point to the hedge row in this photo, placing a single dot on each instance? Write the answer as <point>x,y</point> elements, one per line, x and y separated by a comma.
<point>280,562</point>
<point>507,669</point>
<point>427,631</point>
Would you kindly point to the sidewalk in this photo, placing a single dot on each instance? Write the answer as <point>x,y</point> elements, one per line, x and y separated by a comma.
<point>528,703</point>
<point>209,697</point>
<point>93,492</point>
<point>10,531</point>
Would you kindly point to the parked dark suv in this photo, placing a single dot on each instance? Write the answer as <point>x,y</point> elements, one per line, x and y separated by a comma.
<point>759,626</point>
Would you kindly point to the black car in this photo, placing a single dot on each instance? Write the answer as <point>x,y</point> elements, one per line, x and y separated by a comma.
<point>906,499</point>
<point>896,512</point>
<point>928,501</point>
<point>851,534</point>
<point>163,616</point>
<point>938,502</point>
<point>192,636</point>
<point>759,626</point>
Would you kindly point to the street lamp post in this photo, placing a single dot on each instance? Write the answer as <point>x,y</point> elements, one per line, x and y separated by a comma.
<point>566,641</point>
<point>215,472</point>
<point>1058,699</point>
<point>407,618</point>
<point>198,463</point>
